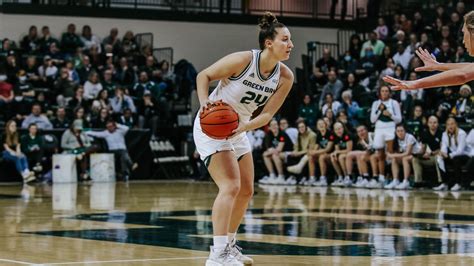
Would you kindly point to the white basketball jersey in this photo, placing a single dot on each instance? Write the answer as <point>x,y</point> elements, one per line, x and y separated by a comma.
<point>248,91</point>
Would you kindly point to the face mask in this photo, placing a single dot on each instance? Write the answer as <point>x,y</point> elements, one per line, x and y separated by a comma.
<point>22,78</point>
<point>18,98</point>
<point>3,77</point>
<point>347,58</point>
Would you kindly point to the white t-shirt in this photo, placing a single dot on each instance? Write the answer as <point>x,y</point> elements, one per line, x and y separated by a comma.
<point>408,140</point>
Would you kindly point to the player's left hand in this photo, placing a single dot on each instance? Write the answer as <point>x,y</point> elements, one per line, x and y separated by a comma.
<point>399,84</point>
<point>243,127</point>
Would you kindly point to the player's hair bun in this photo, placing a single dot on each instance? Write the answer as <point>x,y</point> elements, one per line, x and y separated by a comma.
<point>267,20</point>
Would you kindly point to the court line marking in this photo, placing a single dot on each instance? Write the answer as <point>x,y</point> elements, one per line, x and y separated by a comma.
<point>17,262</point>
<point>113,261</point>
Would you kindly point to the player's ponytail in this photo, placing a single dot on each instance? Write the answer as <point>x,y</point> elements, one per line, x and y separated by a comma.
<point>469,20</point>
<point>268,25</point>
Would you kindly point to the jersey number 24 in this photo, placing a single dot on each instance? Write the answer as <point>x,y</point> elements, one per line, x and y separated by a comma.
<point>254,97</point>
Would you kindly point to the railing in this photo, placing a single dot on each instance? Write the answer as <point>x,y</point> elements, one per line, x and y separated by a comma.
<point>340,9</point>
<point>164,54</point>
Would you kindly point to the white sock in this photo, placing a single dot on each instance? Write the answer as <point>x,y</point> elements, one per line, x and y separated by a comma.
<point>340,177</point>
<point>312,177</point>
<point>231,237</point>
<point>279,176</point>
<point>322,178</point>
<point>272,175</point>
<point>220,242</point>
<point>381,177</point>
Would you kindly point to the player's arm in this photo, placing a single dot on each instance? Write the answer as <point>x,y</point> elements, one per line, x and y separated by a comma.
<point>230,65</point>
<point>447,78</point>
<point>273,104</point>
<point>432,65</point>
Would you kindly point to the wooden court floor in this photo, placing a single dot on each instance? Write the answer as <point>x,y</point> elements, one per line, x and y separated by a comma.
<point>168,223</point>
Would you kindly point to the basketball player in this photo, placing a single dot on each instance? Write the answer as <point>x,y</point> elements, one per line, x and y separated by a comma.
<point>453,73</point>
<point>257,78</point>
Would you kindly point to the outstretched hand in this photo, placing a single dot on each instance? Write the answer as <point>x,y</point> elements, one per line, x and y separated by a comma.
<point>428,59</point>
<point>399,84</point>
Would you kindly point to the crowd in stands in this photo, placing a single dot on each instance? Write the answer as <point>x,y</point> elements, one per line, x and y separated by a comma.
<point>353,131</point>
<point>79,81</point>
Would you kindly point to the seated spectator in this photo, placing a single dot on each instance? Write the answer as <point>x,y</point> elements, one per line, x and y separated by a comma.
<point>127,118</point>
<point>125,75</point>
<point>276,144</point>
<point>416,122</point>
<point>405,147</point>
<point>30,43</point>
<point>11,67</point>
<point>148,113</point>
<point>290,131</point>
<point>31,70</point>
<point>78,100</point>
<point>55,54</point>
<point>70,40</point>
<point>374,43</point>
<point>101,120</point>
<point>256,138</point>
<point>121,101</point>
<point>44,103</point>
<point>318,153</point>
<point>32,147</point>
<point>362,149</point>
<point>73,75</point>
<point>6,91</point>
<point>359,92</point>
<point>430,149</point>
<point>46,40</point>
<point>330,103</point>
<point>47,71</point>
<point>389,70</point>
<point>150,66</point>
<point>323,66</point>
<point>80,114</point>
<point>382,29</point>
<point>464,107</point>
<point>455,155</point>
<point>108,83</point>
<point>402,56</point>
<point>298,158</point>
<point>65,89</point>
<point>351,107</point>
<point>446,53</point>
<point>12,152</point>
<point>37,118</point>
<point>144,84</point>
<point>367,66</point>
<point>115,137</point>
<point>85,69</point>
<point>75,141</point>
<point>23,87</point>
<point>343,143</point>
<point>334,86</point>
<point>329,118</point>
<point>92,87</point>
<point>113,40</point>
<point>411,98</point>
<point>308,111</point>
<point>129,45</point>
<point>355,46</point>
<point>102,101</point>
<point>89,39</point>
<point>18,109</point>
<point>447,101</point>
<point>347,64</point>
<point>60,120</point>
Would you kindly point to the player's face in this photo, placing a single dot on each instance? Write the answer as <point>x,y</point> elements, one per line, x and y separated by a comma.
<point>400,132</point>
<point>282,44</point>
<point>321,125</point>
<point>468,40</point>
<point>338,129</point>
<point>301,128</point>
<point>274,126</point>
<point>362,132</point>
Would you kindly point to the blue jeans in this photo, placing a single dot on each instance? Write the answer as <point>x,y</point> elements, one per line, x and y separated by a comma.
<point>21,162</point>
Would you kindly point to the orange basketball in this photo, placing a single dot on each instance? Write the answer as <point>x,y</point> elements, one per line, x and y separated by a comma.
<point>218,120</point>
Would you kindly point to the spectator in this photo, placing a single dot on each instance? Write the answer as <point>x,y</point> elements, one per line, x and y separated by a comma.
<point>418,25</point>
<point>12,152</point>
<point>19,108</point>
<point>150,66</point>
<point>373,42</point>
<point>464,107</point>
<point>80,114</point>
<point>148,113</point>
<point>358,91</point>
<point>385,114</point>
<point>367,65</point>
<point>125,74</point>
<point>329,103</point>
<point>30,43</point>
<point>405,23</point>
<point>306,141</point>
<point>323,66</point>
<point>455,154</point>
<point>144,84</point>
<point>362,149</point>
<point>128,45</point>
<point>100,121</point>
<point>446,103</point>
<point>75,141</point>
<point>92,87</point>
<point>114,135</point>
<point>89,39</point>
<point>46,40</point>
<point>319,154</point>
<point>256,138</point>
<point>6,91</point>
<point>430,149</point>
<point>37,118</point>
<point>55,54</point>
<point>403,56</point>
<point>70,40</point>
<point>121,101</point>
<point>113,41</point>
<point>65,89</point>
<point>78,100</point>
<point>308,111</point>
<point>343,142</point>
<point>347,64</point>
<point>406,147</point>
<point>23,87</point>
<point>351,107</point>
<point>416,122</point>
<point>355,46</point>
<point>290,131</point>
<point>276,144</point>
<point>127,118</point>
<point>60,120</point>
<point>334,86</point>
<point>11,67</point>
<point>108,83</point>
<point>446,53</point>
<point>102,101</point>
<point>85,69</point>
<point>382,29</point>
<point>31,70</point>
<point>48,71</point>
<point>32,147</point>
<point>411,98</point>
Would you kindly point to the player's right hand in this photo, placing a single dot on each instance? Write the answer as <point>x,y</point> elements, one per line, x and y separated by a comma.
<point>399,84</point>
<point>428,59</point>
<point>205,105</point>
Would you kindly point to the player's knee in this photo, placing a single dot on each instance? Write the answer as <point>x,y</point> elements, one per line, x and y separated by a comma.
<point>246,191</point>
<point>231,189</point>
